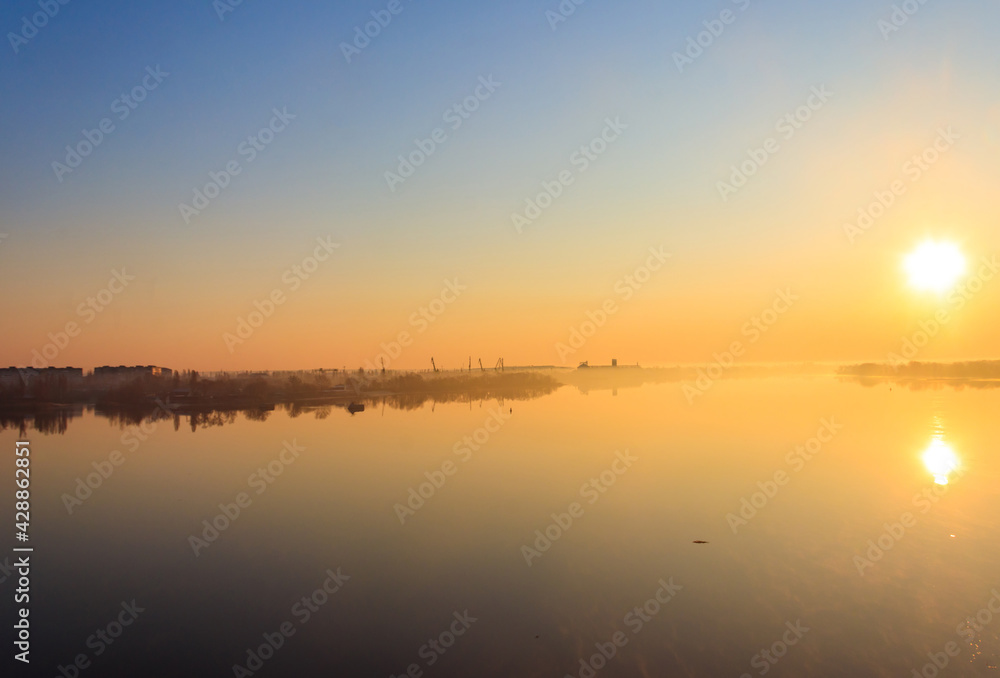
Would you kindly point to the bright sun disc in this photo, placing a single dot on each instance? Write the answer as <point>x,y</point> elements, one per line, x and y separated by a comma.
<point>935,266</point>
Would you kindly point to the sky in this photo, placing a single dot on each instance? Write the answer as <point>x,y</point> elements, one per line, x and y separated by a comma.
<point>629,130</point>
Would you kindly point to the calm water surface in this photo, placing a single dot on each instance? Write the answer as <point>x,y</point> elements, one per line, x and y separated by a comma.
<point>852,560</point>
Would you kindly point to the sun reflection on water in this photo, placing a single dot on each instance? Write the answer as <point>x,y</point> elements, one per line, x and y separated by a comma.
<point>940,459</point>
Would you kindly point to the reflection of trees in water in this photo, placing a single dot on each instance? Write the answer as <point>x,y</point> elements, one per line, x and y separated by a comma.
<point>411,391</point>
<point>42,421</point>
<point>401,401</point>
<point>133,414</point>
<point>257,415</point>
<point>402,392</point>
<point>319,410</point>
<point>923,384</point>
<point>214,418</point>
<point>917,376</point>
<point>295,410</point>
<point>414,401</point>
<point>972,370</point>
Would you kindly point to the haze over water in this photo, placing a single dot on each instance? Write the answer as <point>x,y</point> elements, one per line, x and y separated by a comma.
<point>681,471</point>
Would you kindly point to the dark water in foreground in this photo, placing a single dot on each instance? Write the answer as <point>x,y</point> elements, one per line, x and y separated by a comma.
<point>852,559</point>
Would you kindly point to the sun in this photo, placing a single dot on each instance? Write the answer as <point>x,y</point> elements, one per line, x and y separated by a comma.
<point>935,266</point>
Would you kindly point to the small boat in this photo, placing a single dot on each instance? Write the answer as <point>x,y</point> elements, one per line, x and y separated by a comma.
<point>355,407</point>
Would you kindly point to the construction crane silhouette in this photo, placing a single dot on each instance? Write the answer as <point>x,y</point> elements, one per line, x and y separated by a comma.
<point>481,368</point>
<point>499,365</point>
<point>433,365</point>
